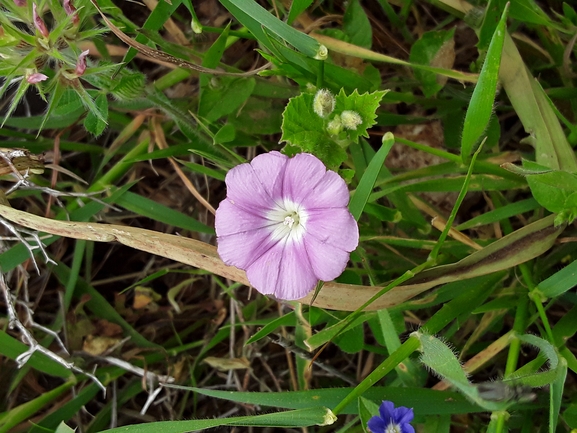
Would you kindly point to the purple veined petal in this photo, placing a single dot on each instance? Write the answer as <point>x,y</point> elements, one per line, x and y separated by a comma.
<point>327,261</point>
<point>335,227</point>
<point>270,168</point>
<point>245,189</point>
<point>331,191</point>
<point>38,22</point>
<point>283,271</point>
<point>303,172</point>
<point>244,249</point>
<point>231,219</point>
<point>376,425</point>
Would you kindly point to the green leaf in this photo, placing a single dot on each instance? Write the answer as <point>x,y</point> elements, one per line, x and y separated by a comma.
<point>481,105</point>
<point>94,124</point>
<point>436,49</point>
<point>225,97</point>
<point>357,26</point>
<point>158,212</point>
<point>289,419</point>
<point>367,182</point>
<point>365,105</point>
<point>304,129</point>
<point>259,21</point>
<point>258,116</point>
<point>560,282</point>
<point>225,134</point>
<point>552,189</point>
<point>297,7</point>
<point>367,409</point>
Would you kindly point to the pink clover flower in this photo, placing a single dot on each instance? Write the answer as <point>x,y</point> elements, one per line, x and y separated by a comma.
<point>285,222</point>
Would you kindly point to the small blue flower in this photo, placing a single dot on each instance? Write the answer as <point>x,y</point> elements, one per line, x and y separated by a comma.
<point>392,420</point>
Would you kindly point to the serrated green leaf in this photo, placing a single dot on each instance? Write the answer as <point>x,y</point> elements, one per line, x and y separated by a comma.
<point>304,129</point>
<point>365,105</point>
<point>435,48</point>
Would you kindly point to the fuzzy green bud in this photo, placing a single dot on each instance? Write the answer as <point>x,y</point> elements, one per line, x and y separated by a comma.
<point>335,126</point>
<point>324,103</point>
<point>351,119</point>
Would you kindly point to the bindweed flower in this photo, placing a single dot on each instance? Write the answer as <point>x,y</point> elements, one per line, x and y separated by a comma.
<point>81,63</point>
<point>36,78</point>
<point>39,22</point>
<point>351,119</point>
<point>285,222</point>
<point>391,419</point>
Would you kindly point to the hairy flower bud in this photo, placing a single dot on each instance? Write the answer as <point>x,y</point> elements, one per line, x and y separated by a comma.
<point>36,78</point>
<point>351,119</point>
<point>39,23</point>
<point>324,103</point>
<point>81,63</point>
<point>335,126</point>
<point>71,11</point>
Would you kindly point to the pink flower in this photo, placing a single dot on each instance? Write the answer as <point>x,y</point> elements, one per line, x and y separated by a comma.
<point>36,78</point>
<point>286,223</point>
<point>20,2</point>
<point>39,23</point>
<point>81,63</point>
<point>70,10</point>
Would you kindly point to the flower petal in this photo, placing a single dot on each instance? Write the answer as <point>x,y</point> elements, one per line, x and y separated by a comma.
<point>327,261</point>
<point>387,411</point>
<point>245,189</point>
<point>243,249</point>
<point>270,168</point>
<point>303,173</point>
<point>331,191</point>
<point>407,428</point>
<point>243,236</point>
<point>283,271</point>
<point>231,219</point>
<point>403,415</point>
<point>376,425</point>
<point>335,227</point>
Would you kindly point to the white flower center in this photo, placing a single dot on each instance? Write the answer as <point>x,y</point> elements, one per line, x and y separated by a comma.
<point>393,428</point>
<point>289,221</point>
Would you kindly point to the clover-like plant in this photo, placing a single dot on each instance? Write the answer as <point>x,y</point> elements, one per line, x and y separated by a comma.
<point>41,47</point>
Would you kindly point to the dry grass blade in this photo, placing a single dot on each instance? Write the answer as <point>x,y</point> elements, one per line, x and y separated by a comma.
<point>518,247</point>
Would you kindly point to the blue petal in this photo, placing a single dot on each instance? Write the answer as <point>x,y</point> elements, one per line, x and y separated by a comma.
<point>387,411</point>
<point>407,428</point>
<point>376,425</point>
<point>403,415</point>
